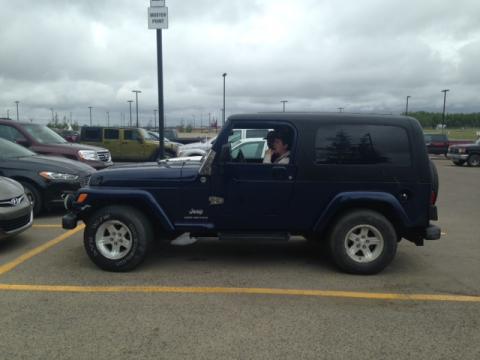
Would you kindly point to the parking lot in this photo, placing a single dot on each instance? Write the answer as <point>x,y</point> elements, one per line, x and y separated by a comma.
<point>243,301</point>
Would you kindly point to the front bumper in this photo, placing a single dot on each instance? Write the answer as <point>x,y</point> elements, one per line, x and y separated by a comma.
<point>457,156</point>
<point>17,223</point>
<point>97,164</point>
<point>69,220</point>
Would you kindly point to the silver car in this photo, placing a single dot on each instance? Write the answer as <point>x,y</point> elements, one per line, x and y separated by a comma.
<point>15,208</point>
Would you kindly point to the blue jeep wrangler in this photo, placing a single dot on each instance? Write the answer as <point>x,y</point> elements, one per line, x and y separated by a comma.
<point>357,183</point>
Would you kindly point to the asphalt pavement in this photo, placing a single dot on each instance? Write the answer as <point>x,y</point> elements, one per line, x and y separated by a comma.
<point>214,300</point>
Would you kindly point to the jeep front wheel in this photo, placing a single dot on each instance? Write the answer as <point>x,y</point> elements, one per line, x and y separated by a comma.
<point>117,238</point>
<point>459,162</point>
<point>363,242</point>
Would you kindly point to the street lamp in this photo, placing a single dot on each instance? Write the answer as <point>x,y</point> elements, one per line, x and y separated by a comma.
<point>223,119</point>
<point>108,118</point>
<point>16,102</point>
<point>154,119</point>
<point>53,119</point>
<point>443,114</point>
<point>406,106</point>
<point>130,103</point>
<point>90,115</point>
<point>283,101</point>
<point>136,101</point>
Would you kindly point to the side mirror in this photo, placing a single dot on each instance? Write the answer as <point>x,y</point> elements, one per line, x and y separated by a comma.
<point>226,153</point>
<point>140,140</point>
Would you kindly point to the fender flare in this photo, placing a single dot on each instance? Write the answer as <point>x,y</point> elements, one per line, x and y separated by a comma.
<point>346,200</point>
<point>130,195</point>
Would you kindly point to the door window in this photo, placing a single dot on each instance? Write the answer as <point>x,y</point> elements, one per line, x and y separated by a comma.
<point>10,133</point>
<point>130,135</point>
<point>111,134</point>
<point>250,150</point>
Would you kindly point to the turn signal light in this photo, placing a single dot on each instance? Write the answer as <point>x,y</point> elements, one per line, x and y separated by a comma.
<point>81,198</point>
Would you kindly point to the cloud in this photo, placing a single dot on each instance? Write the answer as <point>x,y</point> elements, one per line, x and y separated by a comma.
<point>318,55</point>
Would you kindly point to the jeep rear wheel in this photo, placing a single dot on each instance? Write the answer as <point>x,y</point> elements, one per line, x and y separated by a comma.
<point>363,242</point>
<point>473,160</point>
<point>117,238</point>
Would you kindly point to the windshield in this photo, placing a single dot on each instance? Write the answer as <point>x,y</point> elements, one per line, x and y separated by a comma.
<point>11,150</point>
<point>44,135</point>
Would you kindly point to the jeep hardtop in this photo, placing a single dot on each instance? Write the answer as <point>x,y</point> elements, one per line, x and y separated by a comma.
<point>356,183</point>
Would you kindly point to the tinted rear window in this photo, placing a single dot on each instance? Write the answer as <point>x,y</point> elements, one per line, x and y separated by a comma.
<point>362,144</point>
<point>92,134</point>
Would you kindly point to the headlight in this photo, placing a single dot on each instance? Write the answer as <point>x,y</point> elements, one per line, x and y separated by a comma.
<point>88,155</point>
<point>461,150</point>
<point>57,176</point>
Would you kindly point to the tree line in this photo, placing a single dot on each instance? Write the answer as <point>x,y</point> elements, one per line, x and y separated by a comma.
<point>452,121</point>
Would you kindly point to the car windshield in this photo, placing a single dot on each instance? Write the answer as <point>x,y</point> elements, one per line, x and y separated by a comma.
<point>43,134</point>
<point>9,149</point>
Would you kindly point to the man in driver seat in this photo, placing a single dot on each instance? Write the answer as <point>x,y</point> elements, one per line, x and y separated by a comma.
<point>278,148</point>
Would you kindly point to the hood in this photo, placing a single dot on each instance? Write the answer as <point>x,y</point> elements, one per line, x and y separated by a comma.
<point>204,145</point>
<point>52,163</point>
<point>9,188</point>
<point>465,145</point>
<point>76,146</point>
<point>145,174</point>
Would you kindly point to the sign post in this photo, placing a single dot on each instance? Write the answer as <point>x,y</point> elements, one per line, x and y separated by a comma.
<point>158,19</point>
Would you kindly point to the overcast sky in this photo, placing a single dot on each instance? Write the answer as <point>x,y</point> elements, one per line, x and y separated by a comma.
<point>364,56</point>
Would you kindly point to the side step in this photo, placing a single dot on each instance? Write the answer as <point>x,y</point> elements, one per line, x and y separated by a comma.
<point>267,236</point>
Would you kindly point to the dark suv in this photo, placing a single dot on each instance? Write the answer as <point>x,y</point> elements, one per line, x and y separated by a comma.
<point>45,141</point>
<point>358,183</point>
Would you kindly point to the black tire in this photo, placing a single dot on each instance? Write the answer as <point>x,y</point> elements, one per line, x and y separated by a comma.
<point>139,237</point>
<point>34,196</point>
<point>382,254</point>
<point>473,160</point>
<point>459,162</point>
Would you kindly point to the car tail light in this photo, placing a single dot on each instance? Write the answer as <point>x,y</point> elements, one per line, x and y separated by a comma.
<point>433,198</point>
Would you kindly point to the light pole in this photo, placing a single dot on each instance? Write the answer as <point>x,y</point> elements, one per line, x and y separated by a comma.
<point>16,102</point>
<point>136,101</point>
<point>130,103</point>
<point>406,106</point>
<point>53,119</point>
<point>223,119</point>
<point>283,101</point>
<point>340,109</point>
<point>8,114</point>
<point>90,115</point>
<point>444,101</point>
<point>154,119</point>
<point>108,118</point>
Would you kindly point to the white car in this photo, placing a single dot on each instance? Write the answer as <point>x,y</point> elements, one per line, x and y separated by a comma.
<point>201,148</point>
<point>252,149</point>
<point>195,149</point>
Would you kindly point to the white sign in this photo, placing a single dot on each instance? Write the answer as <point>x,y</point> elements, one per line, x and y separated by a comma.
<point>158,18</point>
<point>154,3</point>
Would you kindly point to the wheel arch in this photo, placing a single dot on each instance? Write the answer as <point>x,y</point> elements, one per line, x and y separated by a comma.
<point>140,200</point>
<point>383,203</point>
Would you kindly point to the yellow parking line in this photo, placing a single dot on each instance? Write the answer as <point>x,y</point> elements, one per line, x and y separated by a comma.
<point>47,226</point>
<point>21,259</point>
<point>240,291</point>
